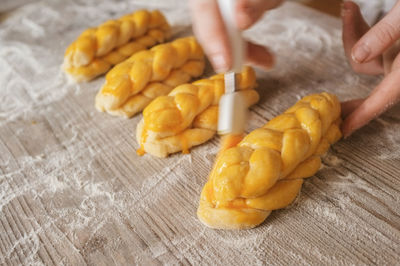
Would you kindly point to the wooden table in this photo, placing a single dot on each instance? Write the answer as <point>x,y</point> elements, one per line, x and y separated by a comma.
<point>74,192</point>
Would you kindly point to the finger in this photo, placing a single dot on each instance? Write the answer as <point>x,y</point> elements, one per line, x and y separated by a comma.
<point>249,11</point>
<point>379,37</point>
<point>391,58</point>
<point>396,61</point>
<point>354,27</point>
<point>209,29</point>
<point>385,95</point>
<point>349,106</point>
<point>260,56</point>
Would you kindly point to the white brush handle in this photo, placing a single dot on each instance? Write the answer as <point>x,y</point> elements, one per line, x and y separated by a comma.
<point>227,10</point>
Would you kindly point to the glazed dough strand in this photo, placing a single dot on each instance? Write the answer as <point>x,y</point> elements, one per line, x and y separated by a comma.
<point>188,116</point>
<point>97,49</point>
<point>265,171</point>
<point>131,85</point>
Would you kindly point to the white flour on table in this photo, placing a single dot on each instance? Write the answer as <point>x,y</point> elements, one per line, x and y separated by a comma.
<point>72,186</point>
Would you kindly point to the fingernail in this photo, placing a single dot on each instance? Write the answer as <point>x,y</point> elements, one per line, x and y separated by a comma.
<point>219,63</point>
<point>343,10</point>
<point>360,53</point>
<point>345,131</point>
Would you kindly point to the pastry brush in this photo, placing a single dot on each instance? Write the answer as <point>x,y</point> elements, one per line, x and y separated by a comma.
<point>232,110</point>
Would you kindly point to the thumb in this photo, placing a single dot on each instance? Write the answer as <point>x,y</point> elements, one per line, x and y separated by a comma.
<point>354,27</point>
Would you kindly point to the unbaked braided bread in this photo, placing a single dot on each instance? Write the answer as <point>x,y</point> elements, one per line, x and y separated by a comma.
<point>265,171</point>
<point>97,49</point>
<point>188,115</point>
<point>131,85</point>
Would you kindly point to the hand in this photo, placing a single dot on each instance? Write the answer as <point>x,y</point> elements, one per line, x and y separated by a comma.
<point>210,31</point>
<point>371,51</point>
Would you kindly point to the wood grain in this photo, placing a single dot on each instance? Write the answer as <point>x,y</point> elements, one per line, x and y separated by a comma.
<point>74,192</point>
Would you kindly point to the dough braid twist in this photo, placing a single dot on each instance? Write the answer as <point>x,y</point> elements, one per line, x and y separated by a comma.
<point>265,171</point>
<point>131,85</point>
<point>188,115</point>
<point>97,49</point>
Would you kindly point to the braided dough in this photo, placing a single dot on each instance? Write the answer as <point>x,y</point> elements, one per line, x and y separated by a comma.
<point>265,171</point>
<point>188,115</point>
<point>97,49</point>
<point>131,85</point>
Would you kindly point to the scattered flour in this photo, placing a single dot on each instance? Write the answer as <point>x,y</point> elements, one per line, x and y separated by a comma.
<point>77,186</point>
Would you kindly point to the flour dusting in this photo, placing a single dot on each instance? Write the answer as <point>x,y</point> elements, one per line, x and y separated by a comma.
<point>73,191</point>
